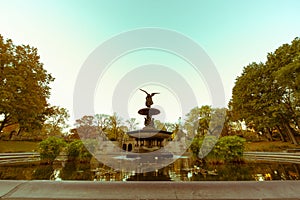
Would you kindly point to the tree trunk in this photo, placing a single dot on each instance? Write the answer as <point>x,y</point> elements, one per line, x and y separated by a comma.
<point>280,133</point>
<point>270,134</point>
<point>290,133</point>
<point>19,131</point>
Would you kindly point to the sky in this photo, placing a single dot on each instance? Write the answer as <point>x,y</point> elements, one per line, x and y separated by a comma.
<point>232,33</point>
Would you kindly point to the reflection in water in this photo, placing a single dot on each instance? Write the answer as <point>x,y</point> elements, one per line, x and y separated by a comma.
<point>56,175</point>
<point>183,169</point>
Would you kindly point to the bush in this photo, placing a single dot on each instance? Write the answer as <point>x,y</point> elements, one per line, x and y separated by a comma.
<point>251,136</point>
<point>196,145</point>
<point>49,149</point>
<point>77,151</point>
<point>230,148</point>
<point>226,149</point>
<point>201,145</point>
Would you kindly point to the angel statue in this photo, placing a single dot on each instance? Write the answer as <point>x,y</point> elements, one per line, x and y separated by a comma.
<point>149,101</point>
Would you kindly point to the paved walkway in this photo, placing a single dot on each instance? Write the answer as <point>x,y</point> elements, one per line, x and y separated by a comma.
<point>273,156</point>
<point>24,157</point>
<point>149,190</point>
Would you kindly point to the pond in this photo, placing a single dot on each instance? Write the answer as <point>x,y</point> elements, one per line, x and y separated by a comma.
<point>183,169</point>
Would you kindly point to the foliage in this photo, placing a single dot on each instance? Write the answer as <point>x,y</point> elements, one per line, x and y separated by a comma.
<point>109,126</point>
<point>86,127</point>
<point>115,131</point>
<point>251,136</point>
<point>159,125</point>
<point>205,120</point>
<point>267,95</point>
<point>227,149</point>
<point>24,86</point>
<point>132,124</point>
<point>56,121</point>
<point>202,145</point>
<point>196,145</point>
<point>77,151</point>
<point>50,148</point>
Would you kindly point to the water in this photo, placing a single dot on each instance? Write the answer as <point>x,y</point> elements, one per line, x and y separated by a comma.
<point>183,169</point>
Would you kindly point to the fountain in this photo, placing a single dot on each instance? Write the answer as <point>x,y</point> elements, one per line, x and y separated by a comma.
<point>149,138</point>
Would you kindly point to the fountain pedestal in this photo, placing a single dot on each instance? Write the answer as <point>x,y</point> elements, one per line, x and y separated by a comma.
<point>148,139</point>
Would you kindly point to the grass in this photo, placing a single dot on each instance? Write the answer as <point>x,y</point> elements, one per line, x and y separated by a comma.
<point>275,146</point>
<point>18,146</point>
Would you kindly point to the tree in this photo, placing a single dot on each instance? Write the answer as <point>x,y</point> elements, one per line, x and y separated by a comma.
<point>49,149</point>
<point>159,125</point>
<point>267,95</point>
<point>205,120</point>
<point>86,127</point>
<point>249,98</point>
<point>24,86</point>
<point>254,99</point>
<point>167,126</point>
<point>102,121</point>
<point>132,124</point>
<point>171,126</point>
<point>100,124</point>
<point>56,122</point>
<point>197,121</point>
<point>115,128</point>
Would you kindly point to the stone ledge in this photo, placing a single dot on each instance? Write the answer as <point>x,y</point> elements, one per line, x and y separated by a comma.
<point>149,190</point>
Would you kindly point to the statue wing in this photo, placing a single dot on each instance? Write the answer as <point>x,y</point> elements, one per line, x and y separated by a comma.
<point>152,94</point>
<point>144,91</point>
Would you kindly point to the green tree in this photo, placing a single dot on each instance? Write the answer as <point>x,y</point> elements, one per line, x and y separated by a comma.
<point>205,120</point>
<point>226,149</point>
<point>249,98</point>
<point>24,86</point>
<point>284,64</point>
<point>56,122</point>
<point>267,95</point>
<point>115,129</point>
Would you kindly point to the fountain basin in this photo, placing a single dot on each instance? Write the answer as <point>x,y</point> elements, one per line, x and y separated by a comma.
<point>149,111</point>
<point>149,133</point>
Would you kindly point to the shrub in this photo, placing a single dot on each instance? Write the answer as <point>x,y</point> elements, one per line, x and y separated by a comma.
<point>77,151</point>
<point>226,149</point>
<point>201,145</point>
<point>230,148</point>
<point>196,145</point>
<point>49,149</point>
<point>251,136</point>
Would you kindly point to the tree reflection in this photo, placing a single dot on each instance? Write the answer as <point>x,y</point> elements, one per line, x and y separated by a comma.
<point>183,169</point>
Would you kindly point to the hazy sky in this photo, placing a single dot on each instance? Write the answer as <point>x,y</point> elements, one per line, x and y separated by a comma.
<point>233,34</point>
